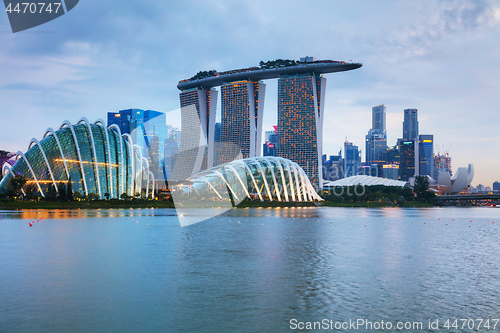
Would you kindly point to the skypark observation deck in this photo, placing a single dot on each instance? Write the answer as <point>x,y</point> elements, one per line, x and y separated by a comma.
<point>256,73</point>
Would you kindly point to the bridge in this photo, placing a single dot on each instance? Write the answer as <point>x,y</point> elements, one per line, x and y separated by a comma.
<point>468,197</point>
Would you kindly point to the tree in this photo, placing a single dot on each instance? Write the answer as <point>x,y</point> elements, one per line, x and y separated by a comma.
<point>124,196</point>
<point>69,190</point>
<point>106,195</point>
<point>420,187</point>
<point>63,192</point>
<point>93,196</point>
<point>17,184</point>
<point>51,193</point>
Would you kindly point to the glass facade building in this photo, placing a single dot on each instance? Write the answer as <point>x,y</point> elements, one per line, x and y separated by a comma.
<point>149,130</point>
<point>410,124</point>
<point>424,156</point>
<point>94,158</point>
<point>260,178</point>
<point>406,159</point>
<point>352,159</point>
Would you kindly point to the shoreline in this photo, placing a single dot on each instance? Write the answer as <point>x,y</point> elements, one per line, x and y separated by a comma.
<point>105,204</point>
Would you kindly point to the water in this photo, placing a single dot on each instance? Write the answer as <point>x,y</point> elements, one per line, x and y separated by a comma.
<point>101,271</point>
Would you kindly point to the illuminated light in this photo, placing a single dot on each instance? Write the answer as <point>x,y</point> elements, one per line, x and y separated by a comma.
<point>429,141</point>
<point>87,162</point>
<point>117,115</point>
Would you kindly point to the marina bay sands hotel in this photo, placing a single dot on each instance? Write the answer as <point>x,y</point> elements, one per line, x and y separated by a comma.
<point>301,104</point>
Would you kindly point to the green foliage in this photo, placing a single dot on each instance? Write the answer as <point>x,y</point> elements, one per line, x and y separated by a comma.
<point>278,63</point>
<point>93,196</point>
<point>421,189</point>
<point>365,194</point>
<point>203,75</point>
<point>69,191</point>
<point>17,184</point>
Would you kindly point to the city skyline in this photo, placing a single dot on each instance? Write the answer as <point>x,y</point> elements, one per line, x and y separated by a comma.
<point>69,67</point>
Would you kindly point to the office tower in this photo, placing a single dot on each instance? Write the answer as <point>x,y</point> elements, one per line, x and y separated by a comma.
<point>270,146</point>
<point>217,132</point>
<point>379,118</point>
<point>376,147</point>
<point>407,159</point>
<point>148,130</point>
<point>390,171</point>
<point>496,186</point>
<point>393,155</point>
<point>424,156</point>
<point>352,159</point>
<point>410,124</point>
<point>333,167</point>
<point>300,122</point>
<point>196,147</point>
<point>241,117</point>
<point>376,140</point>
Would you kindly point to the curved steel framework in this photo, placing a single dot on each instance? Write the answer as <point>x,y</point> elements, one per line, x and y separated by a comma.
<point>264,178</point>
<point>61,156</point>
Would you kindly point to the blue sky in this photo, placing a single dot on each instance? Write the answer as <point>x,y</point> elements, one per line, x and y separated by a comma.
<point>441,57</point>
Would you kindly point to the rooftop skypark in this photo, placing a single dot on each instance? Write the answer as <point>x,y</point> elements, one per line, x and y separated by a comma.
<point>267,70</point>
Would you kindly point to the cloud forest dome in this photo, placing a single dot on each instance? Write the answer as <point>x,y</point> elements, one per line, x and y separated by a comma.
<point>260,178</point>
<point>94,158</point>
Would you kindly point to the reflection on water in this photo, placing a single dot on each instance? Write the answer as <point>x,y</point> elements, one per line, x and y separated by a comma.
<point>247,270</point>
<point>83,213</point>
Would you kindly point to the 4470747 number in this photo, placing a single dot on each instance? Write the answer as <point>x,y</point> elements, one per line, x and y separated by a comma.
<point>33,7</point>
<point>471,324</point>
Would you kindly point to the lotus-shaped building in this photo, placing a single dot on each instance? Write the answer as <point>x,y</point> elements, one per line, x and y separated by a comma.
<point>459,182</point>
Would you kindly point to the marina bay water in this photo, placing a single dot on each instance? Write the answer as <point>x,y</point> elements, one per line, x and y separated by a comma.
<point>247,270</point>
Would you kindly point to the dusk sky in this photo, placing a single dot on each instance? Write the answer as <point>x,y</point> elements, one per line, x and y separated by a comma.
<point>441,57</point>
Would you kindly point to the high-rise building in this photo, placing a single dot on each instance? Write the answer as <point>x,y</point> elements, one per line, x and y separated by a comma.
<point>390,171</point>
<point>442,163</point>
<point>410,124</point>
<point>379,118</point>
<point>241,119</point>
<point>376,147</point>
<point>424,156</point>
<point>333,168</point>
<point>393,154</point>
<point>300,122</point>
<point>270,146</point>
<point>406,159</point>
<point>196,148</point>
<point>496,186</point>
<point>217,132</point>
<point>148,130</point>
<point>376,140</point>
<point>352,159</point>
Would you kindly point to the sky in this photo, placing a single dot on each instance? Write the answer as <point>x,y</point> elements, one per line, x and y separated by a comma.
<point>440,57</point>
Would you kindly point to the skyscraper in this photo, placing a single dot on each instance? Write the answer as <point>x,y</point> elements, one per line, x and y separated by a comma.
<point>196,149</point>
<point>241,119</point>
<point>147,129</point>
<point>300,122</point>
<point>379,118</point>
<point>424,156</point>
<point>406,159</point>
<point>410,124</point>
<point>352,159</point>
<point>376,140</point>
<point>270,146</point>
